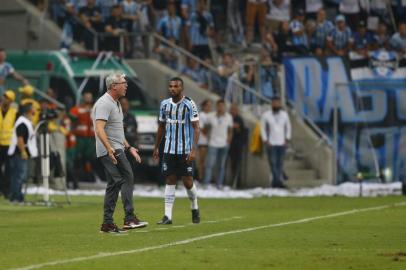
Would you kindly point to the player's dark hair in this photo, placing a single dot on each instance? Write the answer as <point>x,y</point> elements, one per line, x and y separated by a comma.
<point>176,79</point>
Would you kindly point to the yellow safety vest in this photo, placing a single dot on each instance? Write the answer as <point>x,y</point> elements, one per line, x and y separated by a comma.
<point>7,126</point>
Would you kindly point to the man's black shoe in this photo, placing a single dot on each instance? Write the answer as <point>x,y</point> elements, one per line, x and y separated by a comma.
<point>110,228</point>
<point>195,216</point>
<point>164,221</point>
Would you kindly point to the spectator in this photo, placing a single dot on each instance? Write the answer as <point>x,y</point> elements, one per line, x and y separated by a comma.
<point>310,29</point>
<point>84,133</point>
<point>268,73</point>
<point>160,7</point>
<point>276,134</point>
<point>70,146</point>
<point>200,28</point>
<point>299,38</point>
<point>27,96</point>
<point>193,71</point>
<point>203,139</point>
<point>270,45</point>
<point>169,55</point>
<point>398,40</point>
<point>90,16</point>
<point>8,69</point>
<point>8,116</point>
<point>131,14</point>
<point>340,40</point>
<point>381,37</point>
<point>237,145</point>
<point>23,146</point>
<point>235,28</point>
<point>379,9</point>
<point>279,11</point>
<point>256,10</point>
<point>206,74</point>
<point>51,94</point>
<point>117,26</point>
<point>106,6</point>
<point>312,8</point>
<point>147,16</point>
<point>220,129</point>
<point>323,29</point>
<point>228,66</point>
<point>399,10</point>
<point>247,77</point>
<point>69,28</point>
<point>363,41</point>
<point>283,40</point>
<point>170,26</point>
<point>351,10</point>
<point>188,7</point>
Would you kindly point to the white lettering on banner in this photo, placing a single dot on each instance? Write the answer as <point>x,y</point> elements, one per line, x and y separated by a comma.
<point>308,85</point>
<point>314,90</point>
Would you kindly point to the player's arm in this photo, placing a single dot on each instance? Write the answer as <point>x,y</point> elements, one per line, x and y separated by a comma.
<point>196,132</point>
<point>101,134</point>
<point>159,136</point>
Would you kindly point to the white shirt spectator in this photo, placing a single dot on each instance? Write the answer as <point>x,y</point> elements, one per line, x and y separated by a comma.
<point>349,6</point>
<point>203,118</point>
<point>313,5</point>
<point>279,12</point>
<point>275,127</point>
<point>219,129</point>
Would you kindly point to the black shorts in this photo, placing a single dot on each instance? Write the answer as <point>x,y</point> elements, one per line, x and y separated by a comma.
<point>176,165</point>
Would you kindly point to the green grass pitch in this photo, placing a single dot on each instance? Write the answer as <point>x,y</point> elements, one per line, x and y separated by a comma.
<point>376,239</point>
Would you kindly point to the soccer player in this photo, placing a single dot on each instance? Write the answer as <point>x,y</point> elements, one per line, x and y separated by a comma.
<point>179,120</point>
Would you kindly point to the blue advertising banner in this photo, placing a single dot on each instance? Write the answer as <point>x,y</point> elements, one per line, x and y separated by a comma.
<point>370,96</point>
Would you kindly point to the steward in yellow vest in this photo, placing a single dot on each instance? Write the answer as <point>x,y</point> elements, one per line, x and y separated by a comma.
<point>7,118</point>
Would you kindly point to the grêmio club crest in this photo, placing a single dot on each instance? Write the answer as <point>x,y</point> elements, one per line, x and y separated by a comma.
<point>383,63</point>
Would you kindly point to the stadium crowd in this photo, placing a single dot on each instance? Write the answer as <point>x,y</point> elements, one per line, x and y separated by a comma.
<point>250,37</point>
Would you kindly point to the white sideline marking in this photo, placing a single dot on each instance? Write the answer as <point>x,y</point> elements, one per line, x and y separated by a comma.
<point>204,237</point>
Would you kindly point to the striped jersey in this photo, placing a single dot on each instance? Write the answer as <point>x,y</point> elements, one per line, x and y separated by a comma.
<point>323,29</point>
<point>178,118</point>
<point>198,25</point>
<point>296,26</point>
<point>340,38</point>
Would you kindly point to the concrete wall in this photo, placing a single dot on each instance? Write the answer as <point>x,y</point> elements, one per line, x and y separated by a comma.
<point>317,153</point>
<point>155,78</point>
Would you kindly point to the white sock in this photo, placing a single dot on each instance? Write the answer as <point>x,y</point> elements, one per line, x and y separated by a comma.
<point>169,199</point>
<point>192,194</point>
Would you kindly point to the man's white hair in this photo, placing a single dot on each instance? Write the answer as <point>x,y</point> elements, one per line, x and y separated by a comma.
<point>113,78</point>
